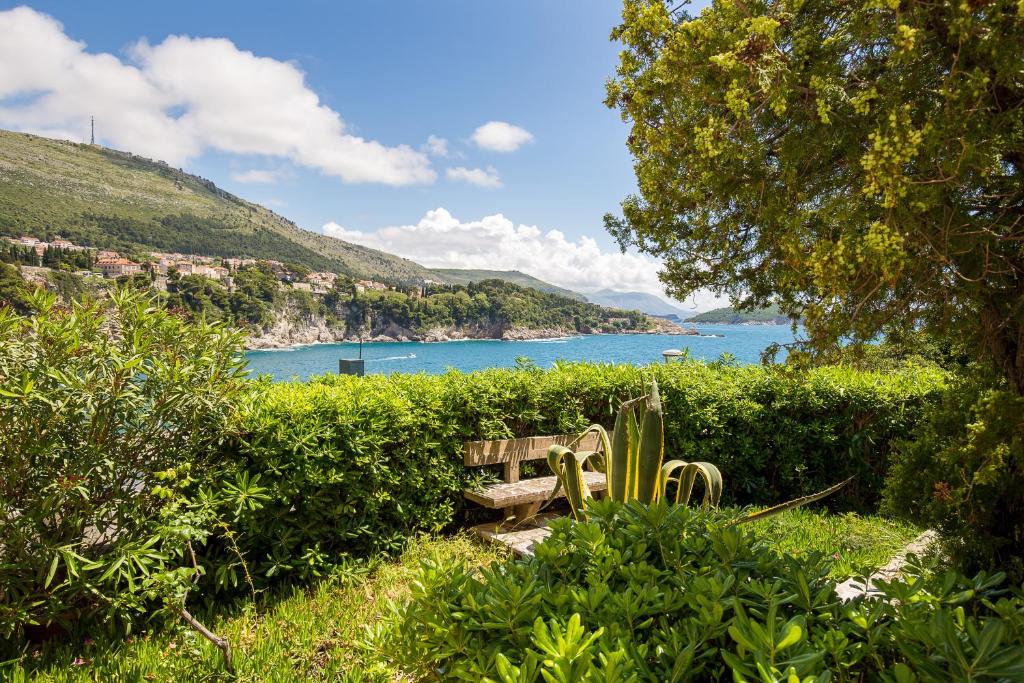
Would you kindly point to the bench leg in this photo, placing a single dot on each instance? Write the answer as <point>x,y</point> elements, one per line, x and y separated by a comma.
<point>519,514</point>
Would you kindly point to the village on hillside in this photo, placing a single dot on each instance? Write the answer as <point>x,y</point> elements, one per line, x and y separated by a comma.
<point>110,264</point>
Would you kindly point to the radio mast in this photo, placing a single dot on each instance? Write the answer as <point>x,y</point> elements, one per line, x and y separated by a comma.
<point>92,130</point>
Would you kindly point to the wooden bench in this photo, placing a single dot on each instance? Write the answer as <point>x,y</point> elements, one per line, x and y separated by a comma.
<point>521,499</point>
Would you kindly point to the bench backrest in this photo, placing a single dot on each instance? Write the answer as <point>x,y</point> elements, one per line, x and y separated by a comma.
<point>511,452</point>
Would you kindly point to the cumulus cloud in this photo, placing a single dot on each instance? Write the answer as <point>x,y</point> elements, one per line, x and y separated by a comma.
<point>180,97</point>
<point>481,177</point>
<point>258,176</point>
<point>440,240</point>
<point>333,229</point>
<point>498,136</point>
<point>436,146</point>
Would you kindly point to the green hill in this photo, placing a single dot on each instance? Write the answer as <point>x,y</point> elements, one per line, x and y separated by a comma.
<point>640,301</point>
<point>461,276</point>
<point>730,316</point>
<point>109,199</point>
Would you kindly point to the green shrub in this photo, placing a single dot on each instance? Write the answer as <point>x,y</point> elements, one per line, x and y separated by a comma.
<point>668,593</point>
<point>105,408</point>
<point>962,472</point>
<point>353,465</point>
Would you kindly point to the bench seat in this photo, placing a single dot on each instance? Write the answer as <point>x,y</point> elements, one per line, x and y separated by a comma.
<point>528,491</point>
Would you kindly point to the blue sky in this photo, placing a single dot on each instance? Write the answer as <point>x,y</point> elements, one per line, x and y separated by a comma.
<point>331,105</point>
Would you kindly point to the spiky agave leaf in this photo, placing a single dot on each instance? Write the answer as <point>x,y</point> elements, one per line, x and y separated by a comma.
<point>632,450</point>
<point>789,505</point>
<point>687,475</point>
<point>568,468</point>
<point>651,449</point>
<point>618,456</point>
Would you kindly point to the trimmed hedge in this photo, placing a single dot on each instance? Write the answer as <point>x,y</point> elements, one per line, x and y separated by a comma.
<point>353,465</point>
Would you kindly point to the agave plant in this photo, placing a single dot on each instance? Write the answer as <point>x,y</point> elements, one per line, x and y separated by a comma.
<point>632,460</point>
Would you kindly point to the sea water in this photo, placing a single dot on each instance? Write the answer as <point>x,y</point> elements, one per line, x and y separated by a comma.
<point>744,342</point>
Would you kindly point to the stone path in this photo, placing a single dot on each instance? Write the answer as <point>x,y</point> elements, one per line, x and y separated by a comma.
<point>521,540</point>
<point>852,588</point>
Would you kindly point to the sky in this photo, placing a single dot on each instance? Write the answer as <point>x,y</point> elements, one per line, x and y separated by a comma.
<point>455,133</point>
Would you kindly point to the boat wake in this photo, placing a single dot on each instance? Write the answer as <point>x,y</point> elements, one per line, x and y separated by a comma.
<point>408,357</point>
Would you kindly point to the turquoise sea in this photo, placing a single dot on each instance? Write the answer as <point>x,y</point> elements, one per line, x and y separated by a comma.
<point>743,342</point>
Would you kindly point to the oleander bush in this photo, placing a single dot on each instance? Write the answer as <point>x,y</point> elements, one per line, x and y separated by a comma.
<point>109,411</point>
<point>354,465</point>
<point>669,593</point>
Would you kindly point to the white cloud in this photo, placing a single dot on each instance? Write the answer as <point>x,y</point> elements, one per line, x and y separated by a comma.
<point>481,177</point>
<point>436,146</point>
<point>332,229</point>
<point>178,98</point>
<point>257,176</point>
<point>439,240</point>
<point>498,136</point>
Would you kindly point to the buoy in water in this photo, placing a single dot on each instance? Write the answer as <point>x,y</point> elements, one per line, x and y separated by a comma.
<point>671,353</point>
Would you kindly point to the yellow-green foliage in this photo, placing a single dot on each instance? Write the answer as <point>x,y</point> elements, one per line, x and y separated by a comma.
<point>859,163</point>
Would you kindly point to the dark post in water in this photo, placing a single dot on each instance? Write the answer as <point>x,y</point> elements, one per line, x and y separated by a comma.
<point>352,366</point>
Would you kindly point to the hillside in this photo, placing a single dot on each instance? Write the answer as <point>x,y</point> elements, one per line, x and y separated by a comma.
<point>639,301</point>
<point>463,276</point>
<point>729,316</point>
<point>109,199</point>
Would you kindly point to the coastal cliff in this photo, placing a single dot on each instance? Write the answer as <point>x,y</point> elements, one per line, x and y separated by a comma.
<point>290,328</point>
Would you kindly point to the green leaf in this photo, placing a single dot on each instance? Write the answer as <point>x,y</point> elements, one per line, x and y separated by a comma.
<point>53,570</point>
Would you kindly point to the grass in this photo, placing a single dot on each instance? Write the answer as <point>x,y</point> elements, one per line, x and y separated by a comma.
<point>307,635</point>
<point>852,541</point>
<point>316,634</point>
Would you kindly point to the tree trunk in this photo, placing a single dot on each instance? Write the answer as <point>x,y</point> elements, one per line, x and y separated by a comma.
<point>1004,335</point>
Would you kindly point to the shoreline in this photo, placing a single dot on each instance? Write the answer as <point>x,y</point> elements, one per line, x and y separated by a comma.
<point>521,336</point>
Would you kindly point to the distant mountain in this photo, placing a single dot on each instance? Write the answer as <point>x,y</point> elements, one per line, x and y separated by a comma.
<point>729,316</point>
<point>637,301</point>
<point>109,199</point>
<point>463,276</point>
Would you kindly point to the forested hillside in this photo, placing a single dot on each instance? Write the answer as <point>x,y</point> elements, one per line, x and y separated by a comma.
<point>276,313</point>
<point>491,308</point>
<point>109,199</point>
<point>730,316</point>
<point>464,276</point>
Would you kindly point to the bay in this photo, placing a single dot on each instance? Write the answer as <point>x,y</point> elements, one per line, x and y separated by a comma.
<point>742,341</point>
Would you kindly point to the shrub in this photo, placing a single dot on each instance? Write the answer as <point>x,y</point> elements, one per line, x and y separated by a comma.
<point>353,465</point>
<point>104,409</point>
<point>668,593</point>
<point>962,472</point>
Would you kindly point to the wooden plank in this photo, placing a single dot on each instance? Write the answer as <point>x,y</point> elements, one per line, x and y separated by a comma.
<point>502,451</point>
<point>528,490</point>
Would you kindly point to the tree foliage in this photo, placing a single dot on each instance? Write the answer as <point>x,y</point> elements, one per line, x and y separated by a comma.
<point>860,162</point>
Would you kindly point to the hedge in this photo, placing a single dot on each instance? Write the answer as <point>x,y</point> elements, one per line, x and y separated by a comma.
<point>354,465</point>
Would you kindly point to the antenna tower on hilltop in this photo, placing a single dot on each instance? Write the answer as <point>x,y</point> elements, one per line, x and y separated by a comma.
<point>92,130</point>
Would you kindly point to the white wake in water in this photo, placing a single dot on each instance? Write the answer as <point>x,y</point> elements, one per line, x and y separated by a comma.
<point>381,360</point>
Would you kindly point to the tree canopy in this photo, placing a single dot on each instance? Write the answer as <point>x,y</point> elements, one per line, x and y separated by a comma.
<point>860,162</point>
